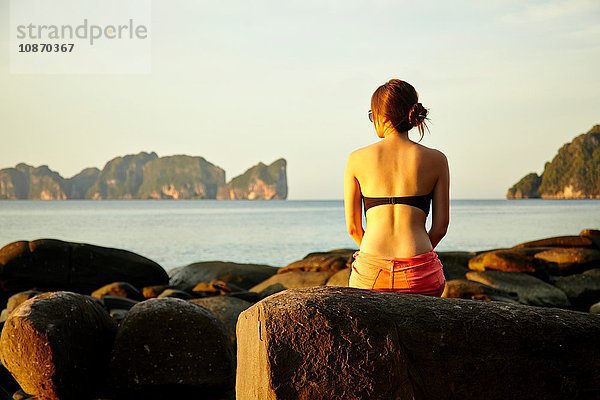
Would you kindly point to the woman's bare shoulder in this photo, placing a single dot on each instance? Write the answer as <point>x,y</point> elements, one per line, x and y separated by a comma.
<point>434,154</point>
<point>363,151</point>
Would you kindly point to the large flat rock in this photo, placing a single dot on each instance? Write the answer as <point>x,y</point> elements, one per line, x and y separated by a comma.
<point>529,289</point>
<point>52,264</point>
<point>239,274</point>
<point>348,343</point>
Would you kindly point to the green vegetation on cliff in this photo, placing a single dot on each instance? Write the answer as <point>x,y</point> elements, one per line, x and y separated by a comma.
<point>574,173</point>
<point>121,177</point>
<point>261,181</point>
<point>181,176</point>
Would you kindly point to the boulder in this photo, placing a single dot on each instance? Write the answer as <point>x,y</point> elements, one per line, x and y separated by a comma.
<point>179,294</point>
<point>21,395</point>
<point>171,348</point>
<point>52,264</point>
<point>466,289</point>
<point>346,343</point>
<point>16,299</point>
<point>456,263</point>
<point>529,289</point>
<point>120,289</point>
<point>292,279</point>
<point>215,287</point>
<point>334,260</point>
<point>118,302</point>
<point>558,241</point>
<point>242,275</point>
<point>57,346</point>
<point>151,292</point>
<point>340,278</point>
<point>593,235</point>
<point>226,309</point>
<point>595,308</point>
<point>583,290</point>
<point>511,260</point>
<point>569,260</point>
<point>247,295</point>
<point>118,315</point>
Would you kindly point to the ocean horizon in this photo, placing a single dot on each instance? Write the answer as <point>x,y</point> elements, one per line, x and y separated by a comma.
<point>177,233</point>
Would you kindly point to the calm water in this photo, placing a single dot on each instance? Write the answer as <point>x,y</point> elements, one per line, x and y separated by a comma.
<point>176,233</point>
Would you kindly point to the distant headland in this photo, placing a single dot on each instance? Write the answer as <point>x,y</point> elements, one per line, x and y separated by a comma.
<point>146,176</point>
<point>574,173</point>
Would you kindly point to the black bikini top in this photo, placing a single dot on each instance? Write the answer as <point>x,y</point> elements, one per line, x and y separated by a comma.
<point>419,201</point>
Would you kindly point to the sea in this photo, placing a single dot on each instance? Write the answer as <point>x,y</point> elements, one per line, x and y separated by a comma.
<point>277,232</point>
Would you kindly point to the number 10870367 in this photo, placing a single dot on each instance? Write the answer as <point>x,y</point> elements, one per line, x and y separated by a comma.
<point>46,47</point>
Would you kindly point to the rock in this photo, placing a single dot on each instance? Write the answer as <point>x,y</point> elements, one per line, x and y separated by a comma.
<point>120,289</point>
<point>340,278</point>
<point>118,303</point>
<point>247,295</point>
<point>334,260</point>
<point>346,343</point>
<point>511,260</point>
<point>558,241</point>
<point>242,275</point>
<point>593,235</point>
<point>179,294</point>
<point>21,395</point>
<point>456,263</point>
<point>570,260</point>
<point>151,292</point>
<point>293,279</point>
<point>57,345</point>
<point>583,290</point>
<point>16,299</point>
<point>466,289</point>
<point>226,309</point>
<point>118,315</point>
<point>51,264</point>
<point>216,287</point>
<point>595,308</point>
<point>171,348</point>
<point>530,290</point>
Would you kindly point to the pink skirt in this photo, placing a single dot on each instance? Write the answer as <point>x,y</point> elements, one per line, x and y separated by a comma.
<point>421,274</point>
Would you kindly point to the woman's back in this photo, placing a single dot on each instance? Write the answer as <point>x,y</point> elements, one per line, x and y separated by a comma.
<point>396,166</point>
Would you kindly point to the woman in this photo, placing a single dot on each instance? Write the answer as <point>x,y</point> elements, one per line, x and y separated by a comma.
<point>396,178</point>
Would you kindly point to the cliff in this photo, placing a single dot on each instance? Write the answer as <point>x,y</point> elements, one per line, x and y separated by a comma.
<point>574,173</point>
<point>181,177</point>
<point>145,176</point>
<point>258,182</point>
<point>121,177</point>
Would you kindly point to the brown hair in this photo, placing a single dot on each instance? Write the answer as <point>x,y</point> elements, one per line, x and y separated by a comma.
<point>398,102</point>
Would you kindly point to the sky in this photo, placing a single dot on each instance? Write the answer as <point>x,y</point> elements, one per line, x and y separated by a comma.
<point>507,83</point>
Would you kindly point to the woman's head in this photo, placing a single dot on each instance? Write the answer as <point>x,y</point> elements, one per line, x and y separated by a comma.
<point>397,101</point>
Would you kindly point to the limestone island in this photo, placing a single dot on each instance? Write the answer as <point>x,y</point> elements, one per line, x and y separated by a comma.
<point>146,176</point>
<point>574,173</point>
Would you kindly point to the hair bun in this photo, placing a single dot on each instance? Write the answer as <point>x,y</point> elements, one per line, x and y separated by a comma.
<point>417,114</point>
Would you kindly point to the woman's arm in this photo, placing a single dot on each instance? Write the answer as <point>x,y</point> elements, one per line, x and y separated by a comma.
<point>440,204</point>
<point>352,202</point>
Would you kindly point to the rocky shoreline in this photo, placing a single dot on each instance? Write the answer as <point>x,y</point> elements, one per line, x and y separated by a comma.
<point>81,321</point>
